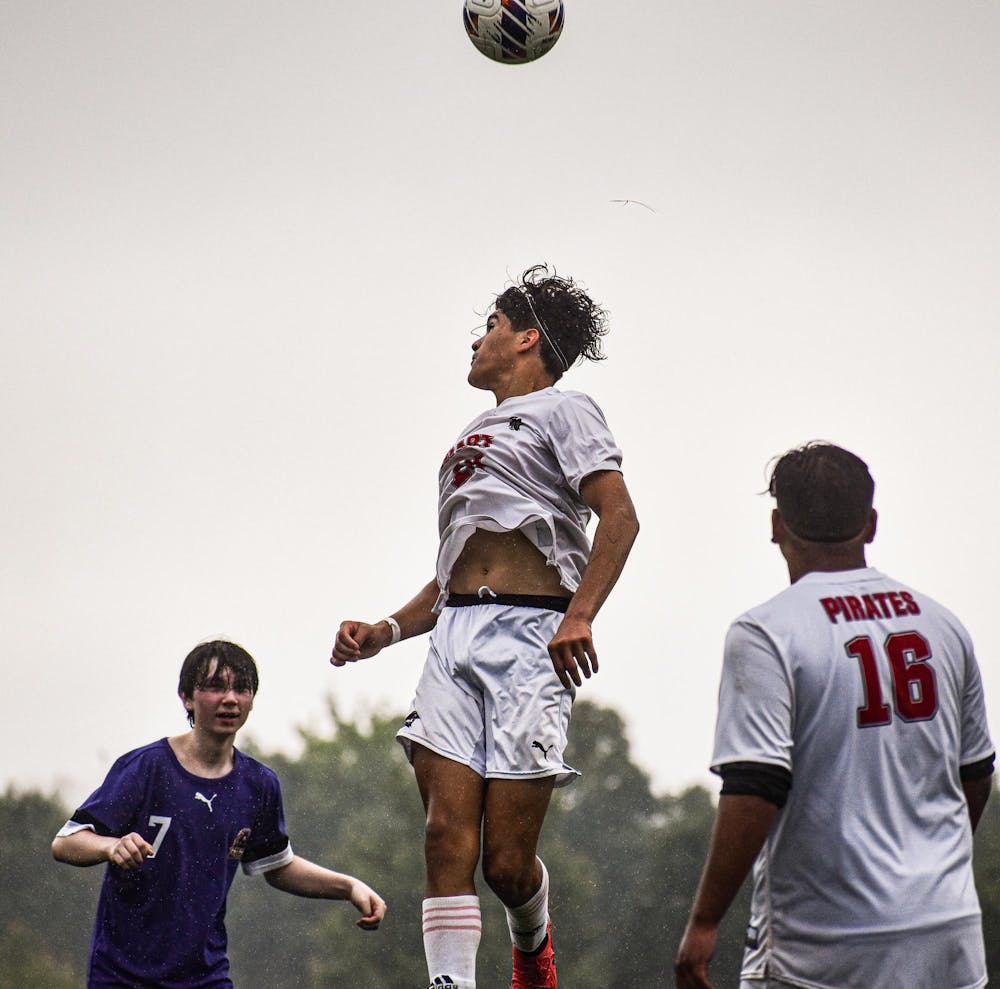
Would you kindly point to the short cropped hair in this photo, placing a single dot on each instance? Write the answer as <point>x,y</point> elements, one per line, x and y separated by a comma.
<point>824,493</point>
<point>231,658</point>
<point>573,322</point>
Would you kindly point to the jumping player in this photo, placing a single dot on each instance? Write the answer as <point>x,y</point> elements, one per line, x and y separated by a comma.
<point>867,693</point>
<point>516,589</point>
<point>173,820</point>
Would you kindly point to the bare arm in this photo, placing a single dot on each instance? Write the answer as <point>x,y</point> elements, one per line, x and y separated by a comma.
<point>304,878</point>
<point>977,792</point>
<point>572,649</point>
<point>359,640</point>
<point>88,848</point>
<point>741,827</point>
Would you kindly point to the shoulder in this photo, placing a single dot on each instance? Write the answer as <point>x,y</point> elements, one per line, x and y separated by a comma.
<point>575,400</point>
<point>256,772</point>
<point>932,606</point>
<point>142,758</point>
<point>573,411</point>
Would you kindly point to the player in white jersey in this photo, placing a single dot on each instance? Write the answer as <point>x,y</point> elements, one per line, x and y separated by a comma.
<point>856,762</point>
<point>516,589</point>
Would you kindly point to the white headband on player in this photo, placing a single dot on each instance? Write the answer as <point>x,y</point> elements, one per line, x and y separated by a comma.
<point>544,332</point>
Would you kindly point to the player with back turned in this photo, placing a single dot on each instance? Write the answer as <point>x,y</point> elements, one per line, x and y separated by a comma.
<point>856,762</point>
<point>511,606</point>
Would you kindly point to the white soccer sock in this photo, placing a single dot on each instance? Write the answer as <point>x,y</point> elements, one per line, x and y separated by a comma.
<point>453,926</point>
<point>528,922</point>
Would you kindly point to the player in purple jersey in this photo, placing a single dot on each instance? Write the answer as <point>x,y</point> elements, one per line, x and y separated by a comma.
<point>511,606</point>
<point>174,820</point>
<point>867,693</point>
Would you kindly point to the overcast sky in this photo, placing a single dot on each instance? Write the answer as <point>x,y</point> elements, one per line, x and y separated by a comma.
<point>243,246</point>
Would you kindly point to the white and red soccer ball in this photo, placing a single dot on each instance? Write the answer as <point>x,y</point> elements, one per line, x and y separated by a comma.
<point>513,31</point>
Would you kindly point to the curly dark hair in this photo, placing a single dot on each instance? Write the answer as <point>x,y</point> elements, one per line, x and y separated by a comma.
<point>573,323</point>
<point>824,492</point>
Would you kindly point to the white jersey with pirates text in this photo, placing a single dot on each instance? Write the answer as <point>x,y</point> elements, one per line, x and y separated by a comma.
<point>869,693</point>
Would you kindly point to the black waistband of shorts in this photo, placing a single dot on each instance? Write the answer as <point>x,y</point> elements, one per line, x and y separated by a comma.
<point>547,601</point>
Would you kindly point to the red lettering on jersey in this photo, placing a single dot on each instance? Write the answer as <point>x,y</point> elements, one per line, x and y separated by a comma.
<point>465,468</point>
<point>476,439</point>
<point>870,606</point>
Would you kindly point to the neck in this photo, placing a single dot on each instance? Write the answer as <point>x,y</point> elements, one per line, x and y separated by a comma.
<point>521,384</point>
<point>823,559</point>
<point>203,754</point>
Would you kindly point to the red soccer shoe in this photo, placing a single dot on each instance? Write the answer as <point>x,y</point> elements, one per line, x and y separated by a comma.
<point>535,971</point>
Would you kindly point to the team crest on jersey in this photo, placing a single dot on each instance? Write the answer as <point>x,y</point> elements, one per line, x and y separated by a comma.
<point>515,423</point>
<point>410,718</point>
<point>239,846</point>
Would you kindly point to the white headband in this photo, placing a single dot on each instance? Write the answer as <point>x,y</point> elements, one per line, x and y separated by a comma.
<point>544,332</point>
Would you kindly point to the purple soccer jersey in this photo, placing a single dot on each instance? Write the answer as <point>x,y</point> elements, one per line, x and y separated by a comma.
<point>163,924</point>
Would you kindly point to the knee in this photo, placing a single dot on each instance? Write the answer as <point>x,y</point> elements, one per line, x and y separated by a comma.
<point>450,847</point>
<point>511,873</point>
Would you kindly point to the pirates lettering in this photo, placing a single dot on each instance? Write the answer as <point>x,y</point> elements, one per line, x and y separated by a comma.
<point>870,606</point>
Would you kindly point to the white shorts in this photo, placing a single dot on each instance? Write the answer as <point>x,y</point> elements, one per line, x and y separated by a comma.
<point>489,697</point>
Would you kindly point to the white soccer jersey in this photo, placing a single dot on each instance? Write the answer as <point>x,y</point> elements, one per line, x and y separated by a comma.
<point>519,467</point>
<point>868,692</point>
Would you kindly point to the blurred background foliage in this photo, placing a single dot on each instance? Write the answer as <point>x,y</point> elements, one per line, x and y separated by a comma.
<point>624,864</point>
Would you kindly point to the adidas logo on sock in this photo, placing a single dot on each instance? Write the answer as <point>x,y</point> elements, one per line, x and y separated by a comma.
<point>443,982</point>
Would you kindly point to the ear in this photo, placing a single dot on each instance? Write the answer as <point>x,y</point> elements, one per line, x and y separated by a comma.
<point>778,533</point>
<point>871,527</point>
<point>186,701</point>
<point>529,338</point>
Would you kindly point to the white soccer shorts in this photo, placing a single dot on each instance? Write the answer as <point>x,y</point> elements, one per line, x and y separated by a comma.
<point>488,696</point>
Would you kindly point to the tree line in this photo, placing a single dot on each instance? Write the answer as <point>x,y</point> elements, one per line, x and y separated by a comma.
<point>624,862</point>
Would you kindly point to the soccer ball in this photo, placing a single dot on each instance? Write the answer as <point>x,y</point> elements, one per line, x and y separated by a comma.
<point>513,31</point>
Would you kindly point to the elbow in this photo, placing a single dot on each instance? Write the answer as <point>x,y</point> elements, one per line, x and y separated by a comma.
<point>57,850</point>
<point>629,523</point>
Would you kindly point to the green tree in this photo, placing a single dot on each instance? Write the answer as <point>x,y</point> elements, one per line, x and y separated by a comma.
<point>27,962</point>
<point>351,805</point>
<point>624,865</point>
<point>47,910</point>
<point>986,864</point>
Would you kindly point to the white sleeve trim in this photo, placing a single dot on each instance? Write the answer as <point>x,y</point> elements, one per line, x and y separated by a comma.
<point>71,827</point>
<point>259,866</point>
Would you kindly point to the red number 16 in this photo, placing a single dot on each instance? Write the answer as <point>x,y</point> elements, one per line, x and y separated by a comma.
<point>913,683</point>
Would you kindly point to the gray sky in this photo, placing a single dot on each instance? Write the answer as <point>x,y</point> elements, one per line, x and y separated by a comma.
<point>242,250</point>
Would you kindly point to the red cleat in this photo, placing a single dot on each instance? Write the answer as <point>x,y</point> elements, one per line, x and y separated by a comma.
<point>537,971</point>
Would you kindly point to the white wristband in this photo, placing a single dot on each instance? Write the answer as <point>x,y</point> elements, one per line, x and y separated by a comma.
<point>395,629</point>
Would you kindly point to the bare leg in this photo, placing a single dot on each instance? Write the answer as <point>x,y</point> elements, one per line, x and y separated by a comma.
<point>514,814</point>
<point>453,796</point>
